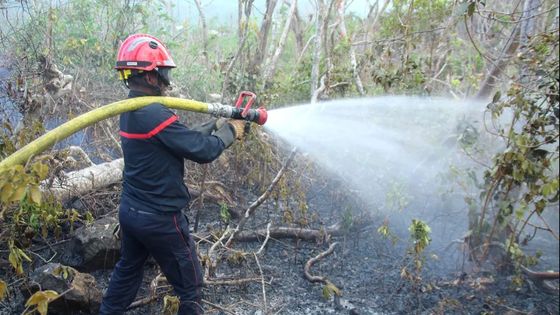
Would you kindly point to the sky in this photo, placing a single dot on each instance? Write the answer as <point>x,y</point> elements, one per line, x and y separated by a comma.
<point>226,10</point>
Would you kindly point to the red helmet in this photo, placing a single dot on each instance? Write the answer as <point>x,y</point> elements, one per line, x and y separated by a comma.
<point>143,52</point>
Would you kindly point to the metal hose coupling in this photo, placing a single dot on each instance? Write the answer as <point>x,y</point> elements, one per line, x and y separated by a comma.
<point>258,115</point>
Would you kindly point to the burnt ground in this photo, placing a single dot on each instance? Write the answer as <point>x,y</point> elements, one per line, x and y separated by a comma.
<point>365,266</point>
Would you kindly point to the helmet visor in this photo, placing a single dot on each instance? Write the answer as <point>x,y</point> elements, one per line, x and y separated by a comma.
<point>164,75</point>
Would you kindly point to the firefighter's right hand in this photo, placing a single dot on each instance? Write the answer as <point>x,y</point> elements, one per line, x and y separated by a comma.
<point>238,127</point>
<point>231,129</point>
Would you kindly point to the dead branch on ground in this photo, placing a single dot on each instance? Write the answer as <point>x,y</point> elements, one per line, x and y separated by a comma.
<point>251,210</point>
<point>312,261</point>
<point>233,232</point>
<point>290,232</point>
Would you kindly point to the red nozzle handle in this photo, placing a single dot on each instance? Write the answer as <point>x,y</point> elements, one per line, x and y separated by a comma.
<point>251,98</point>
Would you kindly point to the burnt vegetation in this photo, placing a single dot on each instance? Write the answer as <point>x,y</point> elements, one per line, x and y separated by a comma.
<point>276,233</point>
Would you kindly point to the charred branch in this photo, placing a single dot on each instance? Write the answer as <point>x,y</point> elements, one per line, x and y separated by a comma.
<point>312,261</point>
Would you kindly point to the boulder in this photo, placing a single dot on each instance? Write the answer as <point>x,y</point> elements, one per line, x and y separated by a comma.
<point>95,246</point>
<point>81,292</point>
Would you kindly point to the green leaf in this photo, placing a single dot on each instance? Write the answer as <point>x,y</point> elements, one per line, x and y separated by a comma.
<point>43,308</point>
<point>41,299</point>
<point>497,97</point>
<point>540,205</point>
<point>7,191</point>
<point>41,170</point>
<point>35,194</point>
<point>15,262</point>
<point>329,289</point>
<point>21,253</point>
<point>17,194</point>
<point>170,305</point>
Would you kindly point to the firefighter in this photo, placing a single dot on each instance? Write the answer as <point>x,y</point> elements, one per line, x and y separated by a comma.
<point>154,145</point>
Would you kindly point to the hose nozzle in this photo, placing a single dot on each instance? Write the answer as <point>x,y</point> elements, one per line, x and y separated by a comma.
<point>258,115</point>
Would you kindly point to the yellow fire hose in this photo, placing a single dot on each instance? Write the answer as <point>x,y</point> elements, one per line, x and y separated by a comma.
<point>72,126</point>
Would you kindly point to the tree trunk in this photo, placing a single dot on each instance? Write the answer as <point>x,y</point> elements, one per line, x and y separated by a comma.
<point>247,10</point>
<point>204,32</point>
<point>344,36</point>
<point>527,30</point>
<point>489,83</point>
<point>271,68</point>
<point>298,32</point>
<point>263,37</point>
<point>319,12</point>
<point>523,28</point>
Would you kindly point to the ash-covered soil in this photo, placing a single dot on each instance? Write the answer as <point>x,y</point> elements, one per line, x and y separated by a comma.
<point>365,266</point>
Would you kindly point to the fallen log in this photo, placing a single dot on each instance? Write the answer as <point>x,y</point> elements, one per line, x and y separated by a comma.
<point>77,183</point>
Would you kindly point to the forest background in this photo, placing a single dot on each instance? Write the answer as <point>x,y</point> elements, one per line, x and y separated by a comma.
<point>57,62</point>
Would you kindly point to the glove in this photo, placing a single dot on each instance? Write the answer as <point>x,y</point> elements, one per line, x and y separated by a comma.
<point>239,128</point>
<point>230,130</point>
<point>220,122</point>
<point>207,127</point>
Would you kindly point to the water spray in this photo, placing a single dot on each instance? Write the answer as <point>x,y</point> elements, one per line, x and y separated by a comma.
<point>258,116</point>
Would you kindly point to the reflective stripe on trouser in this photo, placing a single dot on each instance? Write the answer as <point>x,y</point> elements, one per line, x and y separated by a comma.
<point>166,237</point>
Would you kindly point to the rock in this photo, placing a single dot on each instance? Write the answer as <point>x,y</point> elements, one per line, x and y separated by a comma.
<point>81,288</point>
<point>95,246</point>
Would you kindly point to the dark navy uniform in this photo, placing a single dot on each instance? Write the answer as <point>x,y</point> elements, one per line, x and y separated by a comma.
<point>155,145</point>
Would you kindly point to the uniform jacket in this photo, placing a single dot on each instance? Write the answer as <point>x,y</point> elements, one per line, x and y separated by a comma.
<point>154,145</point>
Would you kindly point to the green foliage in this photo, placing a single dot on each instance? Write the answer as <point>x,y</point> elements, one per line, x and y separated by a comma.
<point>224,213</point>
<point>330,289</point>
<point>11,140</point>
<point>171,305</point>
<point>420,235</point>
<point>64,272</point>
<point>396,198</point>
<point>414,15</point>
<point>40,300</point>
<point>17,257</point>
<point>528,167</point>
<point>385,232</point>
<point>90,46</point>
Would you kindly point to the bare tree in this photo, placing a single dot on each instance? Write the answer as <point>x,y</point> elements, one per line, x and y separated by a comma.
<point>204,31</point>
<point>344,36</point>
<point>263,37</point>
<point>269,71</point>
<point>525,28</point>
<point>298,32</point>
<point>317,49</point>
<point>247,6</point>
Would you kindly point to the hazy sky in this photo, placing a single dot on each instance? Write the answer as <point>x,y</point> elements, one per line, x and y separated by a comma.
<point>226,10</point>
